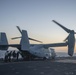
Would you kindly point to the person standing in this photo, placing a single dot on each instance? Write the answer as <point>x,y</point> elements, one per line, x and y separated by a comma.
<point>6,56</point>
<point>18,55</point>
<point>9,56</point>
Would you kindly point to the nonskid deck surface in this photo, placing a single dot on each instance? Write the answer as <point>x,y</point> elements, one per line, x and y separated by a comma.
<point>47,67</point>
<point>66,59</point>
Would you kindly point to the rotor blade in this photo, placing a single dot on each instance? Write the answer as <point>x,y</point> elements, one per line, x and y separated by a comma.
<point>28,38</point>
<point>35,40</point>
<point>66,38</point>
<point>15,38</point>
<point>66,29</point>
<point>19,29</point>
<point>21,34</point>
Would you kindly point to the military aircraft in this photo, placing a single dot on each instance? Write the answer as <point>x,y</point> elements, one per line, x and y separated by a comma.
<point>30,51</point>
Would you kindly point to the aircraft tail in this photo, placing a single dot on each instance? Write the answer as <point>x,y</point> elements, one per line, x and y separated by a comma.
<point>3,41</point>
<point>25,45</point>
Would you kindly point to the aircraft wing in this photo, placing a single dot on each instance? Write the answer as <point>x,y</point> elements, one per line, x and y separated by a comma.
<point>55,45</point>
<point>14,45</point>
<point>5,47</point>
<point>18,46</point>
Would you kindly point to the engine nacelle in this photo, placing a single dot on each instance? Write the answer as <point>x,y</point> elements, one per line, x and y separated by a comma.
<point>71,44</point>
<point>70,51</point>
<point>3,41</point>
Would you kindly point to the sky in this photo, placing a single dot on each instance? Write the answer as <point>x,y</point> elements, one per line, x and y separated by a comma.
<point>36,17</point>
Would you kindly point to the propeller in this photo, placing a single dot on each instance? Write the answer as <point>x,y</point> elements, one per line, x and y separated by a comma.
<point>21,34</point>
<point>70,39</point>
<point>19,29</point>
<point>66,29</point>
<point>66,38</point>
<point>15,38</point>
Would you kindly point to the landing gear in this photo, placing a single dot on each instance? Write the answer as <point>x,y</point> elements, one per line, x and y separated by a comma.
<point>26,56</point>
